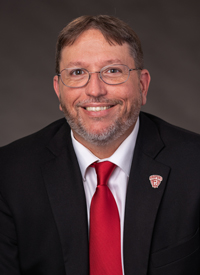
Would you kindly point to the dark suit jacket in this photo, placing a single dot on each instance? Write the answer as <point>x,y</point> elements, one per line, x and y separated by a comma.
<point>43,217</point>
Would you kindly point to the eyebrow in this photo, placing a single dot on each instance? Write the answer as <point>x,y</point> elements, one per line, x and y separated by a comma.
<point>85,65</point>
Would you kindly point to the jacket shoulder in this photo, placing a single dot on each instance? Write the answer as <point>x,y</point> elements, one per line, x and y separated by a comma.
<point>170,133</point>
<point>32,144</point>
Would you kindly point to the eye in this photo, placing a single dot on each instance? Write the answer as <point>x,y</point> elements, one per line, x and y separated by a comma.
<point>77,72</point>
<point>112,71</point>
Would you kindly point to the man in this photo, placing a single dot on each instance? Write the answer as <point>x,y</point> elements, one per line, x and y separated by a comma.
<point>49,216</point>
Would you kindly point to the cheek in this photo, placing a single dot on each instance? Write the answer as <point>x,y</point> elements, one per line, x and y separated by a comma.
<point>69,97</point>
<point>127,95</point>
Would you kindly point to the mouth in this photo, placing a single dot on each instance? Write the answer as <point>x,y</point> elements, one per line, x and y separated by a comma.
<point>97,109</point>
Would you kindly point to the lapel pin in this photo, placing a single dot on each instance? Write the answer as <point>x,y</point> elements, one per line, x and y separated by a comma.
<point>155,180</point>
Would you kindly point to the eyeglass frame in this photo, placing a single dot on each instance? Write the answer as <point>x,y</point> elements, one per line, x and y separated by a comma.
<point>100,77</point>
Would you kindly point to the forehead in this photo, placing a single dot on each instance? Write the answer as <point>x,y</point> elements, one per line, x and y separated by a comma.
<point>92,48</point>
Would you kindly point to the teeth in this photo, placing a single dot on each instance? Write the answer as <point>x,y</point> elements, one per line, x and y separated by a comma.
<point>97,109</point>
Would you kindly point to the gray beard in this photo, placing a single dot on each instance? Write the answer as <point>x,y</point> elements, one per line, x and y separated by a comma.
<point>109,134</point>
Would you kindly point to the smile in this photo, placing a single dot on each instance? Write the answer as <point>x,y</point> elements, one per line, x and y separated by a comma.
<point>97,109</point>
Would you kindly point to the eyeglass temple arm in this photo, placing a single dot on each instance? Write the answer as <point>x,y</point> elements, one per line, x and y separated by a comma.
<point>136,69</point>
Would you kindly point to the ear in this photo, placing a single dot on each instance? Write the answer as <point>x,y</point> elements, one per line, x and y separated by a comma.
<point>56,89</point>
<point>144,84</point>
<point>56,86</point>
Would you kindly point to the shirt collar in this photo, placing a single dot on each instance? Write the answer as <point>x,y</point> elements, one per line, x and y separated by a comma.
<point>122,157</point>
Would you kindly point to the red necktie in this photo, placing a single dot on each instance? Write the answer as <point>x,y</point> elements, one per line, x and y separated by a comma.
<point>105,243</point>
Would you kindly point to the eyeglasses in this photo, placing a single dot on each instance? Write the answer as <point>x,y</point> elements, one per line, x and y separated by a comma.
<point>112,75</point>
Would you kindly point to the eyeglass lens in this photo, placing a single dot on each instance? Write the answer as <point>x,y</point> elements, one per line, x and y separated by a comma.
<point>78,77</point>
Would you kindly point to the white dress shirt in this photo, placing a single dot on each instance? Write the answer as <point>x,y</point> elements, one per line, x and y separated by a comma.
<point>118,181</point>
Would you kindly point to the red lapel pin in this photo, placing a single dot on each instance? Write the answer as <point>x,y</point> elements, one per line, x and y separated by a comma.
<point>155,180</point>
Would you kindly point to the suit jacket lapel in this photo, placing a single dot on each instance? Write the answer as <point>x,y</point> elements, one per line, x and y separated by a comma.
<point>67,198</point>
<point>142,201</point>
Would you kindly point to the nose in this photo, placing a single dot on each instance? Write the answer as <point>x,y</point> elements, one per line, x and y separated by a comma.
<point>95,87</point>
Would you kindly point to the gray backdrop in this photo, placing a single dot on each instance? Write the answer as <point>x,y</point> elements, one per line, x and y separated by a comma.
<point>170,34</point>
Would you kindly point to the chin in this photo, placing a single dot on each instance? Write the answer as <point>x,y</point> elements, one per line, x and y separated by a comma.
<point>101,134</point>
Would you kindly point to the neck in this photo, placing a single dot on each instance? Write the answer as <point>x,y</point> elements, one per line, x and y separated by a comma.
<point>102,151</point>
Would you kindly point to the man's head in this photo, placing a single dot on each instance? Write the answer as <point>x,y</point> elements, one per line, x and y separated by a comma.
<point>103,110</point>
<point>113,29</point>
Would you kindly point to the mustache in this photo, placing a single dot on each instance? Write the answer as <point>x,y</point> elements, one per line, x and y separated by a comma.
<point>99,100</point>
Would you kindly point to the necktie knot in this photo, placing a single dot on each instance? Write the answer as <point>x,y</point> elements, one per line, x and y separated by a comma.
<point>103,170</point>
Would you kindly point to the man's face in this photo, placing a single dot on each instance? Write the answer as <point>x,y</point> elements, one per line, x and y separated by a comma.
<point>100,126</point>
